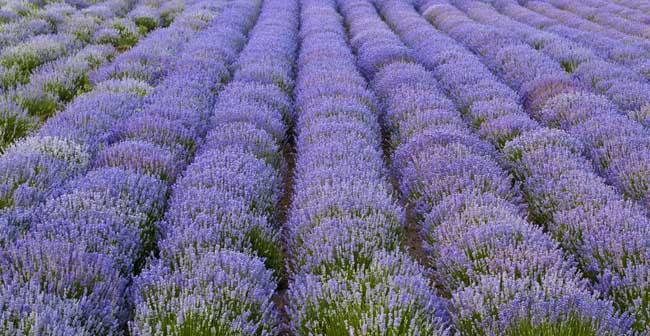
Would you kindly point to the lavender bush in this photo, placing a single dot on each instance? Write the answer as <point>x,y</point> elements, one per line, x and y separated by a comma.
<point>345,227</point>
<point>336,167</point>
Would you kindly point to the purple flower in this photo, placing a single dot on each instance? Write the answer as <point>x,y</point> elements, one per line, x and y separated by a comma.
<point>218,292</point>
<point>390,295</point>
<point>63,284</point>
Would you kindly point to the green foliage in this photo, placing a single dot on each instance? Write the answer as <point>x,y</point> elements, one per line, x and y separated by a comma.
<point>568,66</point>
<point>22,64</point>
<point>40,104</point>
<point>572,326</point>
<point>10,77</point>
<point>146,24</point>
<point>126,38</point>
<point>13,126</point>
<point>269,249</point>
<point>635,299</point>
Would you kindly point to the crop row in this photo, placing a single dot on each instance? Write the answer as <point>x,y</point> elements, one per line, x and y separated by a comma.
<point>40,75</point>
<point>344,229</point>
<point>555,99</point>
<point>36,167</point>
<point>221,253</point>
<point>564,195</point>
<point>331,167</point>
<point>487,258</point>
<point>76,251</point>
<point>612,49</point>
<point>607,17</point>
<point>627,89</point>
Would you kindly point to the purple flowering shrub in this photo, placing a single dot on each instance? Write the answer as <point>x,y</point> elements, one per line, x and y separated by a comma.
<point>85,127</point>
<point>45,72</point>
<point>213,293</point>
<point>220,250</point>
<point>559,171</point>
<point>324,167</point>
<point>344,227</point>
<point>111,209</point>
<point>389,296</point>
<point>486,256</point>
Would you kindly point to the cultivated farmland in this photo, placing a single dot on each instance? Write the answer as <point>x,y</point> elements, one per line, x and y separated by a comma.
<point>325,167</point>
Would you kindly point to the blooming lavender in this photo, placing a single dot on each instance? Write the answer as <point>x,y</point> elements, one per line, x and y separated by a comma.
<point>45,80</point>
<point>58,82</point>
<point>15,122</point>
<point>544,93</point>
<point>337,167</point>
<point>623,86</point>
<point>110,211</point>
<point>584,213</point>
<point>30,169</point>
<point>576,21</point>
<point>344,227</point>
<point>65,288</point>
<point>20,60</point>
<point>146,179</point>
<point>603,17</point>
<point>603,45</point>
<point>86,126</point>
<point>220,252</point>
<point>329,182</point>
<point>390,296</point>
<point>575,179</point>
<point>470,216</point>
<point>217,293</point>
<point>627,48</point>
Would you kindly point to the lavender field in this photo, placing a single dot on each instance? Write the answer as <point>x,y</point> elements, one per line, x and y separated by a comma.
<point>325,167</point>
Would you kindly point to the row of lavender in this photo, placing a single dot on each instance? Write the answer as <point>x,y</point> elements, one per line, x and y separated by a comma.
<point>564,195</point>
<point>629,53</point>
<point>221,252</point>
<point>639,5</point>
<point>29,19</point>
<point>626,88</point>
<point>557,100</point>
<point>82,199</point>
<point>344,229</point>
<point>66,28</point>
<point>504,275</point>
<point>600,218</point>
<point>607,16</point>
<point>32,42</point>
<point>34,168</point>
<point>15,10</point>
<point>45,72</point>
<point>69,274</point>
<point>622,46</point>
<point>583,24</point>
<point>618,10</point>
<point>622,157</point>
